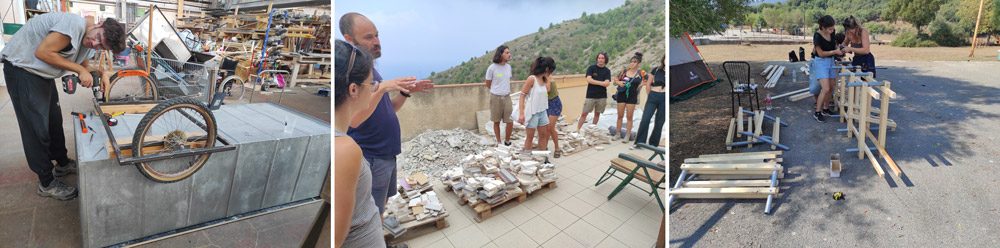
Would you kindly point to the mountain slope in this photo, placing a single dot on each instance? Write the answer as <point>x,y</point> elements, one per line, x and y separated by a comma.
<point>636,26</point>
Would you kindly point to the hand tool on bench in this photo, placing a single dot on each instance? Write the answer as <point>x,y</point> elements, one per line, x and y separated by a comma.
<point>83,125</point>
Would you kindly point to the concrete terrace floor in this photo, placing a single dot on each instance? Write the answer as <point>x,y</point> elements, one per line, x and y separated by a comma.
<point>27,220</point>
<point>946,146</point>
<point>574,214</point>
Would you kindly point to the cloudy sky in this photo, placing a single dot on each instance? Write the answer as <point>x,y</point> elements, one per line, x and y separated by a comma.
<point>422,36</point>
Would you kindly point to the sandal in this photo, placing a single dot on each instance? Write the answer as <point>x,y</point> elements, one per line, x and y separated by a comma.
<point>557,154</point>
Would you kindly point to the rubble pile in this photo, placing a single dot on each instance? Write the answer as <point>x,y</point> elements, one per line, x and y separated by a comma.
<point>434,151</point>
<point>588,136</point>
<point>416,206</point>
<point>494,175</point>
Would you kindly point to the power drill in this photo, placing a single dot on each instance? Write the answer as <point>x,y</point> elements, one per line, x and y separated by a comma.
<point>70,82</point>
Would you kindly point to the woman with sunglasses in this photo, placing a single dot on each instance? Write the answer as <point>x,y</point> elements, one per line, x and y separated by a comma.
<point>357,222</point>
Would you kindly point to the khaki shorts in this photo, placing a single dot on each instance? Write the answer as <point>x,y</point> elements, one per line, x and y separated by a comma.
<point>595,105</point>
<point>500,108</point>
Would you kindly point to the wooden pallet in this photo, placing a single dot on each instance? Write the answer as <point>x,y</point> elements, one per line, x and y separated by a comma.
<point>418,228</point>
<point>485,211</point>
<point>730,176</point>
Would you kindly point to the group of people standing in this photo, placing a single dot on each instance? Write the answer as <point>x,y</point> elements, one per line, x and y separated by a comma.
<point>367,132</point>
<point>540,105</point>
<point>822,77</point>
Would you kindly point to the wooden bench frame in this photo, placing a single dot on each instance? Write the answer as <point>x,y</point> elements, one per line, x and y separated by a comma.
<point>752,175</point>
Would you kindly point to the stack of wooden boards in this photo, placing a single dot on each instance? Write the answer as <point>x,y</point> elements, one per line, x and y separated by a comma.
<point>754,130</point>
<point>751,175</point>
<point>772,74</point>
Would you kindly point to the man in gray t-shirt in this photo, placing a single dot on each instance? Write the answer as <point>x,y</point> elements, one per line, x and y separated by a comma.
<point>498,80</point>
<point>46,47</point>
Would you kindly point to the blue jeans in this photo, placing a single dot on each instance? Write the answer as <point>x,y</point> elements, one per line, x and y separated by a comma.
<point>383,180</point>
<point>655,102</point>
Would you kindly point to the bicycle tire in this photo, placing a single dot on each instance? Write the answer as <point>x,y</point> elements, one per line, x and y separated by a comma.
<point>148,89</point>
<point>229,83</point>
<point>146,129</point>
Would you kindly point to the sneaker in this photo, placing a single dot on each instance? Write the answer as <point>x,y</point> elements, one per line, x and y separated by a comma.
<point>631,137</point>
<point>614,137</point>
<point>57,190</point>
<point>819,117</point>
<point>624,138</point>
<point>69,168</point>
<point>507,143</point>
<point>829,111</point>
<point>634,146</point>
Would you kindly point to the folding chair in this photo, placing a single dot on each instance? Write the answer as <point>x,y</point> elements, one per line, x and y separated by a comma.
<point>644,170</point>
<point>741,83</point>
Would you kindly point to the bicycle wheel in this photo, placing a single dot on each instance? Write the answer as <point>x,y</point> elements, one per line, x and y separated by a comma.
<point>130,88</point>
<point>174,127</point>
<point>233,87</point>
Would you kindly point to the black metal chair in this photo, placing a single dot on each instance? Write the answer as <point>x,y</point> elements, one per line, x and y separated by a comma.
<point>741,83</point>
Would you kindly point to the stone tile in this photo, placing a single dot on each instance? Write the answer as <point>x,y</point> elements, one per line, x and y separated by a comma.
<point>427,239</point>
<point>607,187</point>
<point>576,206</point>
<point>21,195</point>
<point>585,233</point>
<point>539,230</point>
<point>515,238</point>
<point>456,221</point>
<point>490,245</point>
<point>15,227</point>
<point>592,197</point>
<point>58,223</point>
<point>557,194</point>
<point>571,187</point>
<point>442,243</point>
<point>617,210</point>
<point>538,204</point>
<point>496,226</point>
<point>584,179</point>
<point>519,214</point>
<point>468,212</point>
<point>596,172</point>
<point>562,240</point>
<point>630,200</point>
<point>469,237</point>
<point>236,234</point>
<point>603,220</point>
<point>650,226</point>
<point>559,217</point>
<point>652,210</point>
<point>610,242</point>
<point>564,171</point>
<point>632,237</point>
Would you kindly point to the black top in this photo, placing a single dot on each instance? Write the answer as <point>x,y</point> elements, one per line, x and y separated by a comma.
<point>659,77</point>
<point>599,74</point>
<point>632,80</point>
<point>825,45</point>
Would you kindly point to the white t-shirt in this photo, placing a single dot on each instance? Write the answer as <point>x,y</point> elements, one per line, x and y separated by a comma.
<point>500,74</point>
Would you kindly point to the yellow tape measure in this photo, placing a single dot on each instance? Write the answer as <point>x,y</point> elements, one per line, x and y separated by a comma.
<point>838,196</point>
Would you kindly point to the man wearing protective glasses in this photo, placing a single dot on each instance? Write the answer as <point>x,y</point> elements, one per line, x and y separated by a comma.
<point>45,48</point>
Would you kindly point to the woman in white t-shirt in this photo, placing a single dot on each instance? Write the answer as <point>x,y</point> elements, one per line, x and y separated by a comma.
<point>533,100</point>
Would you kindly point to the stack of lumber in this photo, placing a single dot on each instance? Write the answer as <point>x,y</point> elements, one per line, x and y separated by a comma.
<point>772,74</point>
<point>751,175</point>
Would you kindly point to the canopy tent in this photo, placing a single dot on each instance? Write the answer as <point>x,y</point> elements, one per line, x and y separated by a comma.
<point>687,69</point>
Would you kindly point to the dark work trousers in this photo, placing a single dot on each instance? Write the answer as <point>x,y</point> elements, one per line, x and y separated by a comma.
<point>655,102</point>
<point>36,104</point>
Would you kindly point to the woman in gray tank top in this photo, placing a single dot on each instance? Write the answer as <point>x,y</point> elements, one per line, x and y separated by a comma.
<point>356,220</point>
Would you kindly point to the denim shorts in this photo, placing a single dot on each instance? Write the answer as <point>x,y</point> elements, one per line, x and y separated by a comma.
<point>537,119</point>
<point>820,68</point>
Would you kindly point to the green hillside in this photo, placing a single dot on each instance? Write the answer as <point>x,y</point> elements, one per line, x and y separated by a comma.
<point>636,26</point>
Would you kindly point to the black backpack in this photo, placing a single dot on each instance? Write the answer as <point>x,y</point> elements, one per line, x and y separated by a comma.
<point>792,57</point>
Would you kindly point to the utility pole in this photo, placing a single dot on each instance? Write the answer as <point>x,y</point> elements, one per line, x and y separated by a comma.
<point>976,32</point>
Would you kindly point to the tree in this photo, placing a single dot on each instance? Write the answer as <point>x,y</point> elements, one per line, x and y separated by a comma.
<point>704,16</point>
<point>583,15</point>
<point>539,29</point>
<point>916,12</point>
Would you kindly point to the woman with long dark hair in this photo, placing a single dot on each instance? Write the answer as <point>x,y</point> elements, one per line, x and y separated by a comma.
<point>655,104</point>
<point>533,101</point>
<point>628,82</point>
<point>825,47</point>
<point>356,222</point>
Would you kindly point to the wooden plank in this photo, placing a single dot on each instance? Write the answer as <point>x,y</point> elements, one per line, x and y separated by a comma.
<point>748,161</point>
<point>800,96</point>
<point>724,193</point>
<point>736,177</point>
<point>766,70</point>
<point>695,168</point>
<point>128,109</point>
<point>878,168</point>
<point>739,154</point>
<point>884,155</point>
<point>794,92</point>
<point>739,122</point>
<point>777,125</point>
<point>729,135</point>
<point>726,183</point>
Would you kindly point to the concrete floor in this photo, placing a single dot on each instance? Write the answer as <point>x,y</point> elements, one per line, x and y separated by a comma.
<point>945,145</point>
<point>27,220</point>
